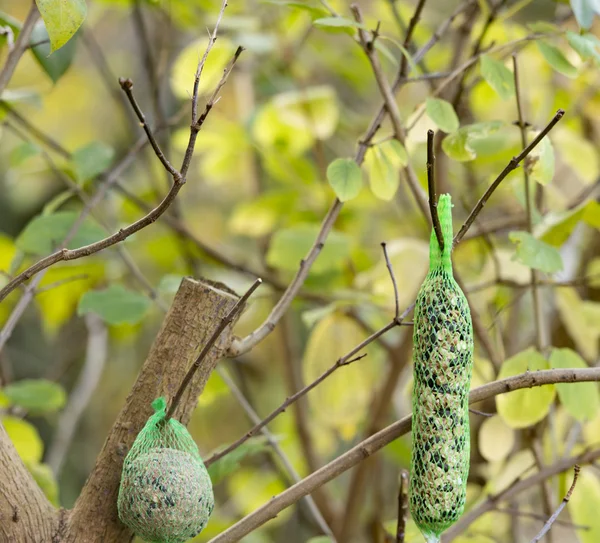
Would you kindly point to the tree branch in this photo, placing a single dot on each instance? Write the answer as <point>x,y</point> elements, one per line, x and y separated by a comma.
<point>188,325</point>
<point>513,163</point>
<point>178,182</point>
<point>21,45</point>
<point>95,358</point>
<point>562,505</point>
<point>25,513</point>
<point>379,440</point>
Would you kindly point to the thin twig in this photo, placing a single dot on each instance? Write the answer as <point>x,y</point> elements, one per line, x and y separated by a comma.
<point>431,189</point>
<point>480,413</point>
<point>513,163</point>
<point>537,305</point>
<point>517,512</point>
<point>73,254</point>
<point>127,86</point>
<point>20,46</point>
<point>369,446</point>
<point>402,507</point>
<point>95,358</point>
<point>194,133</point>
<point>289,468</point>
<point>562,505</point>
<point>345,360</point>
<point>209,345</point>
<point>388,265</point>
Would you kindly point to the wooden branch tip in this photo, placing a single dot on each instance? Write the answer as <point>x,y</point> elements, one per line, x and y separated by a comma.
<point>431,189</point>
<point>393,279</point>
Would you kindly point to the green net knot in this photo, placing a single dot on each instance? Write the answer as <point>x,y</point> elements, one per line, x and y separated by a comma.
<point>437,258</point>
<point>165,495</point>
<point>160,405</point>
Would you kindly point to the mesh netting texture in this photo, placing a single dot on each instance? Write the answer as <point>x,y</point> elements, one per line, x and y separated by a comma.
<point>166,493</point>
<point>443,361</point>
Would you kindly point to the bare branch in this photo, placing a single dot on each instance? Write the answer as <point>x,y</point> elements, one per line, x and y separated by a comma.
<point>127,86</point>
<point>562,505</point>
<point>123,233</point>
<point>379,440</point>
<point>20,46</point>
<point>513,163</point>
<point>289,468</point>
<point>402,507</point>
<point>437,228</point>
<point>388,265</point>
<point>95,358</point>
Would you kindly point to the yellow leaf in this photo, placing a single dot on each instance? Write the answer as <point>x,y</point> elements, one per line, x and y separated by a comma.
<point>519,465</point>
<point>522,408</point>
<point>581,400</point>
<point>25,438</point>
<point>584,506</point>
<point>496,439</point>
<point>342,399</point>
<point>410,260</point>
<point>184,68</point>
<point>593,272</point>
<point>251,488</point>
<point>7,253</point>
<point>581,319</point>
<point>59,303</point>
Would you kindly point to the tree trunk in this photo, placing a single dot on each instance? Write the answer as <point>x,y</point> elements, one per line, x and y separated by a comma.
<point>197,309</point>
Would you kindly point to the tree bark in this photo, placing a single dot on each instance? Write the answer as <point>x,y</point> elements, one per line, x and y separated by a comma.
<point>25,513</point>
<point>196,311</point>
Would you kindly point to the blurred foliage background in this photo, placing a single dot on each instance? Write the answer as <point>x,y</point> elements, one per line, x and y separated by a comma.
<point>302,96</point>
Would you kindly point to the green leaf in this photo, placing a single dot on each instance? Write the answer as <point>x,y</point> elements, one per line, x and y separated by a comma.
<point>587,45</point>
<point>312,108</point>
<point>290,245</point>
<point>315,11</point>
<point>581,319</point>
<point>584,12</point>
<point>522,408</point>
<point>91,160</point>
<point>383,178</point>
<point>231,462</point>
<point>459,144</point>
<point>540,162</point>
<point>442,114</point>
<point>62,19</point>
<point>535,253</point>
<point>345,178</point>
<point>584,506</point>
<point>22,153</point>
<point>25,438</point>
<point>382,164</point>
<point>543,27</point>
<point>115,305</point>
<point>581,400</point>
<point>338,22</point>
<point>498,76</point>
<point>54,65</point>
<point>342,400</point>
<point>45,233</point>
<point>43,476</point>
<point>36,395</point>
<point>556,59</point>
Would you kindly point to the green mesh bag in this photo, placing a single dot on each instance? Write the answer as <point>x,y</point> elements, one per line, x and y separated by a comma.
<point>443,361</point>
<point>165,495</point>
